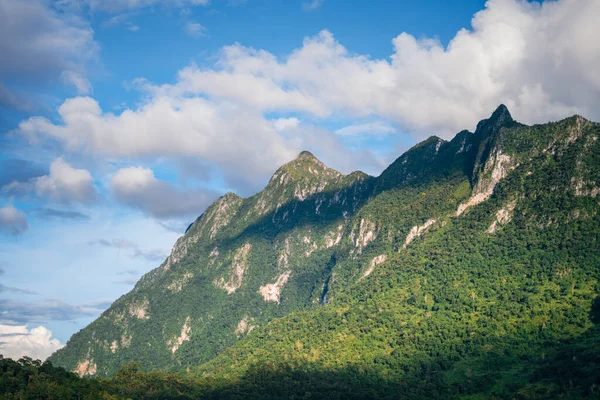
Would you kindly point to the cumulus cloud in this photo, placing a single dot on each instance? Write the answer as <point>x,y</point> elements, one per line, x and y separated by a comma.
<point>236,139</point>
<point>281,124</point>
<point>12,221</point>
<point>535,58</point>
<point>138,187</point>
<point>66,184</point>
<point>242,143</point>
<point>40,43</point>
<point>195,29</point>
<point>63,184</point>
<point>17,341</point>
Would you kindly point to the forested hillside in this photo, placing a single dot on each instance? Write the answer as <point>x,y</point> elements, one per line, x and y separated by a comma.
<point>468,268</point>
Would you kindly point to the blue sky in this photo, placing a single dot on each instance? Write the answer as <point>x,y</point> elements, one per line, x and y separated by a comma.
<point>121,121</point>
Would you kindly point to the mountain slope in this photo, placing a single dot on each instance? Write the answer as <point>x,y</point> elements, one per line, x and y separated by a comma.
<point>464,253</point>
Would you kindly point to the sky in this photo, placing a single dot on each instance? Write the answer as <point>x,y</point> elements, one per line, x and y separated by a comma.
<point>122,120</point>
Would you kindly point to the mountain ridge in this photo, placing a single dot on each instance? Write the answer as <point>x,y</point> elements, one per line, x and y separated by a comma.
<point>246,264</point>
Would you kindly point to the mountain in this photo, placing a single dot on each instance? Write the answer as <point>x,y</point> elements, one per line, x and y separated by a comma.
<point>468,267</point>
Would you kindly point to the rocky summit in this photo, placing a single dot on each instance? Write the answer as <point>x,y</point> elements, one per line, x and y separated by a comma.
<point>468,267</point>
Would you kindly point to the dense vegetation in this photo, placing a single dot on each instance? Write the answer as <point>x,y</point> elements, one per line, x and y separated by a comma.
<point>571,369</point>
<point>469,269</point>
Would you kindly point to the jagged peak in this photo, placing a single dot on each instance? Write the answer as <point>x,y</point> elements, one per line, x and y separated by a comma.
<point>358,175</point>
<point>305,164</point>
<point>230,196</point>
<point>228,199</point>
<point>500,117</point>
<point>434,138</point>
<point>579,120</point>
<point>305,159</point>
<point>502,113</point>
<point>306,154</point>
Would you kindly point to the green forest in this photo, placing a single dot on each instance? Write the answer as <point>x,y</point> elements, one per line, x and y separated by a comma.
<point>469,269</point>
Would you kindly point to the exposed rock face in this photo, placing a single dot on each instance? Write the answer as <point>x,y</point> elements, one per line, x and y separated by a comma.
<point>496,168</point>
<point>207,226</point>
<point>125,341</point>
<point>576,130</point>
<point>221,214</point>
<point>380,259</point>
<point>312,246</point>
<point>179,283</point>
<point>180,249</point>
<point>139,309</point>
<point>238,268</point>
<point>212,257</point>
<point>86,367</point>
<point>244,326</point>
<point>334,238</point>
<point>306,238</point>
<point>366,233</point>
<point>282,261</point>
<point>503,216</point>
<point>184,336</point>
<point>417,231</point>
<point>272,291</point>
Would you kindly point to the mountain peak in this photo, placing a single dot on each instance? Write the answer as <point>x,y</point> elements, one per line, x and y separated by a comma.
<point>306,154</point>
<point>501,114</point>
<point>305,162</point>
<point>500,117</point>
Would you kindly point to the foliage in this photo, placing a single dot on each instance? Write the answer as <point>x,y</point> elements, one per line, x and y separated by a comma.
<point>497,301</point>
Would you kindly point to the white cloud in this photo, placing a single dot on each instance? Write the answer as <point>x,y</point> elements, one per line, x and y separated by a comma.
<point>138,187</point>
<point>537,59</point>
<point>64,184</point>
<point>281,124</point>
<point>40,43</point>
<point>241,142</point>
<point>81,83</point>
<point>309,6</point>
<point>120,5</point>
<point>12,221</point>
<point>17,341</point>
<point>195,29</point>
<point>377,128</point>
